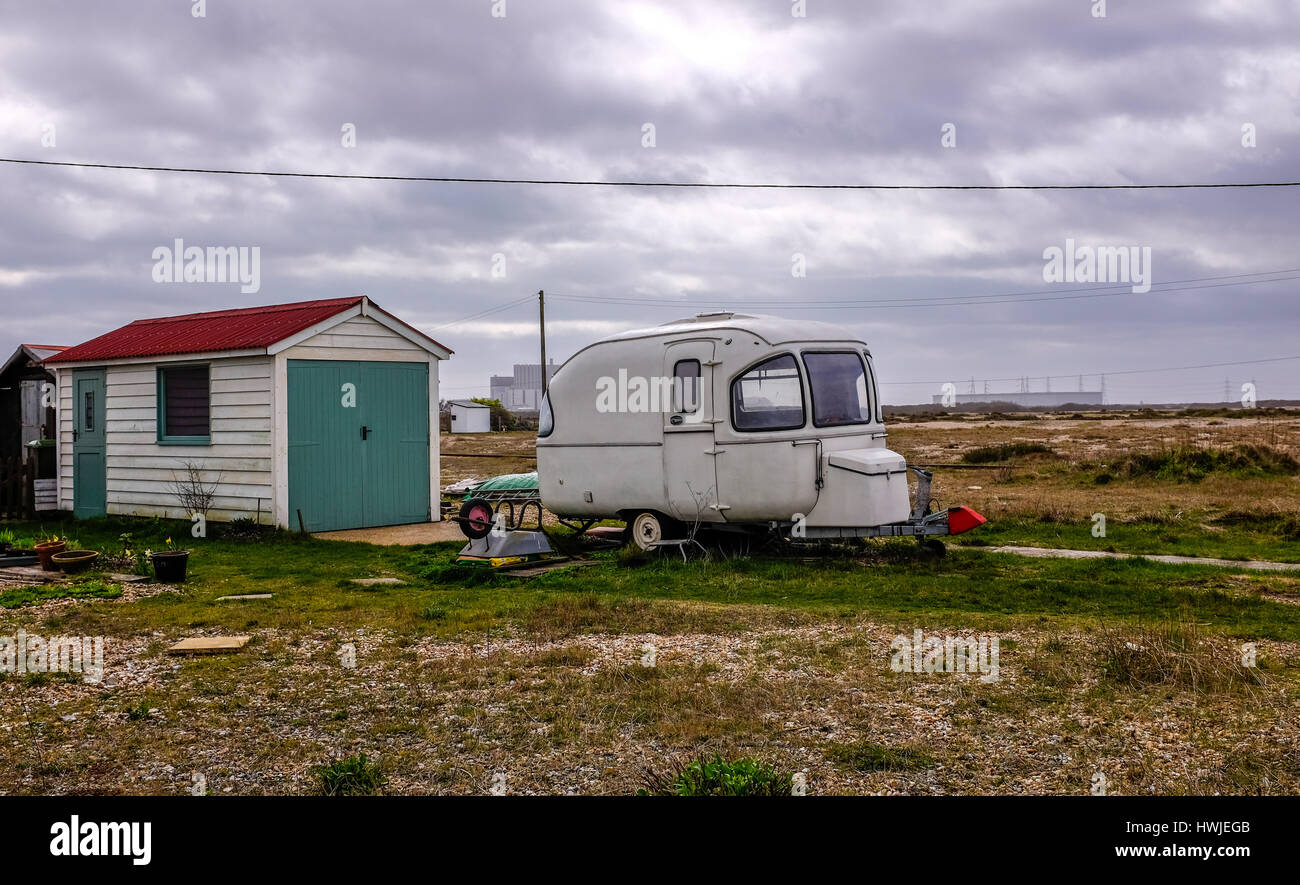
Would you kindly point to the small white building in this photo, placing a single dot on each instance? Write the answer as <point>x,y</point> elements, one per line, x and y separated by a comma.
<point>468,416</point>
<point>316,415</point>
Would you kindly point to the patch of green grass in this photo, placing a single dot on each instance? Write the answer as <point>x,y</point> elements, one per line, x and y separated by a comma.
<point>718,777</point>
<point>1192,463</point>
<point>867,756</point>
<point>968,588</point>
<point>353,776</point>
<point>138,712</point>
<point>992,454</point>
<point>90,589</point>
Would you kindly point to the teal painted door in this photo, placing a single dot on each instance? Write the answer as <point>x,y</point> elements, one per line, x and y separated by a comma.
<point>396,449</point>
<point>89,473</point>
<point>358,443</point>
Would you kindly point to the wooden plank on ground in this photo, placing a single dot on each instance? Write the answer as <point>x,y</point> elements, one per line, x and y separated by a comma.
<point>207,645</point>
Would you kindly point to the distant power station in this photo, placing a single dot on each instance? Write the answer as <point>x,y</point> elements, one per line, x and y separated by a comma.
<point>522,391</point>
<point>1035,399</point>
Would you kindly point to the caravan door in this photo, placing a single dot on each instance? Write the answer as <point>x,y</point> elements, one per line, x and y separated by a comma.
<point>690,483</point>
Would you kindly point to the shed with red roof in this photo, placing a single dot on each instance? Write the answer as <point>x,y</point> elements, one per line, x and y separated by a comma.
<point>316,415</point>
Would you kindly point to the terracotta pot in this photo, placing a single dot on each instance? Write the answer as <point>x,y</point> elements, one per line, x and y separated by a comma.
<point>73,561</point>
<point>45,552</point>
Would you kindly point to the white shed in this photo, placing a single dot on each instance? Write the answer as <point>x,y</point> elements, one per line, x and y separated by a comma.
<point>317,415</point>
<point>468,416</point>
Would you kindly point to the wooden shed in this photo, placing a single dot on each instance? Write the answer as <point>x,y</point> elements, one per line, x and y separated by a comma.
<point>317,415</point>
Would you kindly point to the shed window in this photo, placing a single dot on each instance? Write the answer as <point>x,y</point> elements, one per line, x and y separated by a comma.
<point>183,404</point>
<point>839,389</point>
<point>769,396</point>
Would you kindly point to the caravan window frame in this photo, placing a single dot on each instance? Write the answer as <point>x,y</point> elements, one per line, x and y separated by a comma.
<point>875,388</point>
<point>545,417</point>
<point>867,381</point>
<point>803,401</point>
<point>679,388</point>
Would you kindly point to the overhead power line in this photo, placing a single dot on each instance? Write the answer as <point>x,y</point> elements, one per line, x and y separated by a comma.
<point>1107,374</point>
<point>831,302</point>
<point>484,313</point>
<point>448,179</point>
<point>938,300</point>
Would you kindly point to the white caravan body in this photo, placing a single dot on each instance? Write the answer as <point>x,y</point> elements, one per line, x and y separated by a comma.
<point>722,418</point>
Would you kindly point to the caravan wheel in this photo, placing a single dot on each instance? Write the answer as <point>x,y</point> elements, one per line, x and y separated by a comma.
<point>647,527</point>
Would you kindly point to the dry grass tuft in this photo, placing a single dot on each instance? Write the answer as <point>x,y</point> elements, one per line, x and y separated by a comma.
<point>1174,653</point>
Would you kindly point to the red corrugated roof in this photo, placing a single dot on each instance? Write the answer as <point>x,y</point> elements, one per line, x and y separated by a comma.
<point>248,328</point>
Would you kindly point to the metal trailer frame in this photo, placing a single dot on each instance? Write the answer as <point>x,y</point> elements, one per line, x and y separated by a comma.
<point>923,521</point>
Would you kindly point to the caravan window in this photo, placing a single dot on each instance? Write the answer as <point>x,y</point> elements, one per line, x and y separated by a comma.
<point>875,388</point>
<point>769,396</point>
<point>545,418</point>
<point>686,386</point>
<point>839,389</point>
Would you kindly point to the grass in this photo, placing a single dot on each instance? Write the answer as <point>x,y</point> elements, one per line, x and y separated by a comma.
<point>866,756</point>
<point>719,777</point>
<point>352,776</point>
<point>1188,463</point>
<point>773,661</point>
<point>92,588</point>
<point>991,454</point>
<point>1236,534</point>
<point>1175,652</point>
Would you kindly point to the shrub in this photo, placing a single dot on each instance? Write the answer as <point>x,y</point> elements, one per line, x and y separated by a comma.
<point>991,454</point>
<point>1191,463</point>
<point>717,777</point>
<point>139,712</point>
<point>353,776</point>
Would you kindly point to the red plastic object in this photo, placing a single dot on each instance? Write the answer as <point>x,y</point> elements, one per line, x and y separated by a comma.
<point>963,519</point>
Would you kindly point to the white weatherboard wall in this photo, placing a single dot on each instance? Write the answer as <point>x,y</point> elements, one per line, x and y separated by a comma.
<point>141,473</point>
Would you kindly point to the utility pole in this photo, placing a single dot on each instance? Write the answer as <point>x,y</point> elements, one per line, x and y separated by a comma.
<point>541,320</point>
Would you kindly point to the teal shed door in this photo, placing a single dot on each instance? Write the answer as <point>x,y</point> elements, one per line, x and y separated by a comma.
<point>358,443</point>
<point>89,474</point>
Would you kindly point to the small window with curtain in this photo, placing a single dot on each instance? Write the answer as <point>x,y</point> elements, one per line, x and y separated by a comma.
<point>183,405</point>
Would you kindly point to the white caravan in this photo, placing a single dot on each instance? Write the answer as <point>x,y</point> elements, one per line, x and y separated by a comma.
<point>729,420</point>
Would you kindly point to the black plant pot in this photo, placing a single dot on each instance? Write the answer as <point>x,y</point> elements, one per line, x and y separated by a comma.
<point>169,567</point>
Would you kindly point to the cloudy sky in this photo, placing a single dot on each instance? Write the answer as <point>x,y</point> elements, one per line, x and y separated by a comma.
<point>1033,92</point>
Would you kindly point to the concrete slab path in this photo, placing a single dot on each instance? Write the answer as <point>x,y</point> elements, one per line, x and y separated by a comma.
<point>1056,553</point>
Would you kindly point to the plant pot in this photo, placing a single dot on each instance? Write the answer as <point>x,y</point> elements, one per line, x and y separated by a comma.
<point>46,551</point>
<point>73,561</point>
<point>169,566</point>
